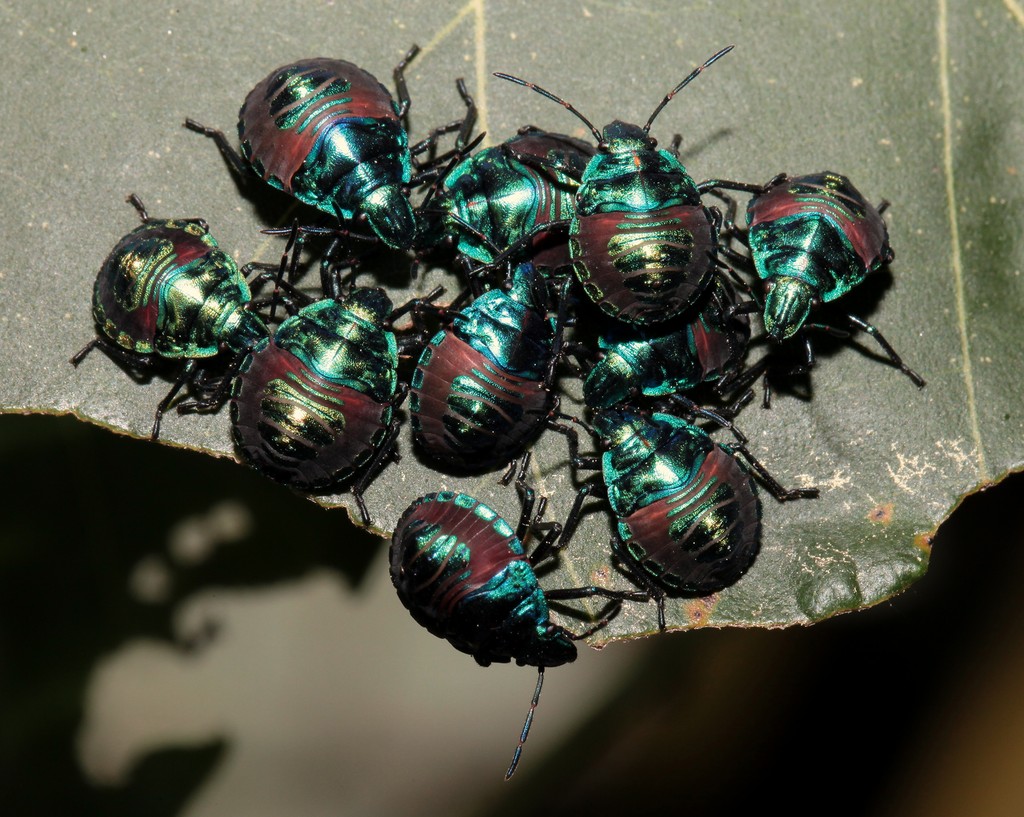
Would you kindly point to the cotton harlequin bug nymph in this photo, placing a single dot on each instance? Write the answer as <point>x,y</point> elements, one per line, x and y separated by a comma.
<point>463,573</point>
<point>688,519</point>
<point>643,244</point>
<point>314,405</point>
<point>168,292</point>
<point>503,198</point>
<point>670,358</point>
<point>482,389</point>
<point>328,133</point>
<point>812,239</point>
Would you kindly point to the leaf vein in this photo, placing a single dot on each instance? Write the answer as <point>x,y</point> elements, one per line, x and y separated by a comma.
<point>1016,10</point>
<point>954,234</point>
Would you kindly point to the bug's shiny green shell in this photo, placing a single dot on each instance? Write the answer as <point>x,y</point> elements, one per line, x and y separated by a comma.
<point>669,358</point>
<point>168,289</point>
<point>478,395</point>
<point>311,407</point>
<point>629,176</point>
<point>499,193</point>
<point>812,238</point>
<point>642,243</point>
<point>688,513</point>
<point>328,133</point>
<point>461,572</point>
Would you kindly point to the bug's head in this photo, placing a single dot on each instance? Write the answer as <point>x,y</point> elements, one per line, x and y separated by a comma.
<point>548,646</point>
<point>372,304</point>
<point>609,382</point>
<point>623,137</point>
<point>617,426</point>
<point>390,216</point>
<point>786,307</point>
<point>242,329</point>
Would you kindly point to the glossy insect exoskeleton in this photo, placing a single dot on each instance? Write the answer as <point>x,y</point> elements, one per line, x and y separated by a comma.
<point>463,573</point>
<point>500,197</point>
<point>314,406</point>
<point>482,389</point>
<point>643,244</point>
<point>669,358</point>
<point>168,292</point>
<point>812,239</point>
<point>688,518</point>
<point>328,133</point>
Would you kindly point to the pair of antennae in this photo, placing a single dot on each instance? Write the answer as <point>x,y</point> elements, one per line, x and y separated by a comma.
<point>597,134</point>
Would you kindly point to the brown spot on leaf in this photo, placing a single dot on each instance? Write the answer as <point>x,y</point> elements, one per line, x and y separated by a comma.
<point>882,514</point>
<point>924,542</point>
<point>600,576</point>
<point>699,610</point>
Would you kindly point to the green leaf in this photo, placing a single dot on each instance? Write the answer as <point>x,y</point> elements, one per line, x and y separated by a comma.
<point>918,105</point>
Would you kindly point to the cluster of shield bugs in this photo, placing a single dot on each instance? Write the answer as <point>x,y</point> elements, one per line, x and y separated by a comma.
<point>601,262</point>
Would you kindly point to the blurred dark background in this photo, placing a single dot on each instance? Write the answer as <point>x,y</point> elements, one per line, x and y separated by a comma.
<point>908,708</point>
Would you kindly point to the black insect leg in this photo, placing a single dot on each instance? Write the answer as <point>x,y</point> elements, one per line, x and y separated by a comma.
<point>729,229</point>
<point>140,208</point>
<point>79,356</point>
<point>769,482</point>
<point>138,366</point>
<point>187,372</point>
<point>572,521</point>
<point>708,185</point>
<point>277,273</point>
<point>415,305</point>
<point>891,353</point>
<point>559,334</point>
<point>386,453</point>
<point>526,239</point>
<point>400,87</point>
<point>136,202</point>
<point>550,167</point>
<point>617,596</point>
<point>428,170</point>
<point>585,357</point>
<point>639,577</point>
<point>740,447</point>
<point>610,610</point>
<point>231,156</point>
<point>214,392</point>
<point>740,382</point>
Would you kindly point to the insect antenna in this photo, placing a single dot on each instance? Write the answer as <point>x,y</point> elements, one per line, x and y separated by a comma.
<point>526,726</point>
<point>692,76</point>
<point>551,96</point>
